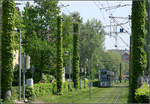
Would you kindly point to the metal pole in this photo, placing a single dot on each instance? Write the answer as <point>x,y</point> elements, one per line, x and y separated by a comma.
<point>90,81</point>
<point>85,79</point>
<point>24,70</point>
<point>19,64</point>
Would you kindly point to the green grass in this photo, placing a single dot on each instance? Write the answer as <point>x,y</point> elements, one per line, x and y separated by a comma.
<point>103,95</point>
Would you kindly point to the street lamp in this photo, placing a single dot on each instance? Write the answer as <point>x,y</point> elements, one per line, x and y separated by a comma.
<point>67,53</point>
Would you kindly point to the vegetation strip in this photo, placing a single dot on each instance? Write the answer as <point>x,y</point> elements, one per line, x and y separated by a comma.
<point>106,95</point>
<point>82,96</point>
<point>117,97</point>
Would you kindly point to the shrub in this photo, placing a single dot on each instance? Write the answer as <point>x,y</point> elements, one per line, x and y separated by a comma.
<point>142,94</point>
<point>65,87</point>
<point>43,89</point>
<point>15,92</point>
<point>8,102</point>
<point>29,93</point>
<point>54,88</point>
<point>47,78</point>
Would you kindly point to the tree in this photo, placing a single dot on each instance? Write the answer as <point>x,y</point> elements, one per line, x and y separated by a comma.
<point>91,44</point>
<point>67,33</point>
<point>59,55</point>
<point>40,36</point>
<point>8,11</point>
<point>147,37</point>
<point>76,57</point>
<point>138,39</point>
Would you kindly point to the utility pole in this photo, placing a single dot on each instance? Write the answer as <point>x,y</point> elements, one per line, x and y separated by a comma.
<point>19,65</point>
<point>120,72</point>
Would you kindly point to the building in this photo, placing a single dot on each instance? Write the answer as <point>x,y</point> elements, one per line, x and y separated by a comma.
<point>125,55</point>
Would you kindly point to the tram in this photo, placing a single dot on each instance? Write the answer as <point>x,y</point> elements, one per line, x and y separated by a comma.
<point>106,78</point>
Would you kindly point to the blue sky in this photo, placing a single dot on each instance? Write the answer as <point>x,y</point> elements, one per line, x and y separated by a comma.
<point>95,9</point>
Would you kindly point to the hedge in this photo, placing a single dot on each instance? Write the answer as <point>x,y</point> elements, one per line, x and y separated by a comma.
<point>45,89</point>
<point>42,89</point>
<point>142,94</point>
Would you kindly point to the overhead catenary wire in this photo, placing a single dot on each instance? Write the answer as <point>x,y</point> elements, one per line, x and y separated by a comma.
<point>99,9</point>
<point>114,7</point>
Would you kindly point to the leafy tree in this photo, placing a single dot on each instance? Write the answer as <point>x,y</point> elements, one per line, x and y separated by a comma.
<point>76,57</point>
<point>138,35</point>
<point>40,36</point>
<point>59,55</point>
<point>91,44</point>
<point>67,33</point>
<point>8,11</point>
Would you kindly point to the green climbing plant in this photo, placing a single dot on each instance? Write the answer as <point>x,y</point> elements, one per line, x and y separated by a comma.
<point>76,57</point>
<point>59,55</point>
<point>138,38</point>
<point>8,11</point>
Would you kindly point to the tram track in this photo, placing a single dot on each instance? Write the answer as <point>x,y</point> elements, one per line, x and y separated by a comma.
<point>101,101</point>
<point>116,93</point>
<point>115,100</point>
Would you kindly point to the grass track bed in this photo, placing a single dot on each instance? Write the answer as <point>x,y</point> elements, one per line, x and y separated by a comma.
<point>98,95</point>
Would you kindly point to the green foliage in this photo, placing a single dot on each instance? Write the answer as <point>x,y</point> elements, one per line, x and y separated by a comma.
<point>113,60</point>
<point>91,45</point>
<point>76,57</point>
<point>46,78</point>
<point>142,94</point>
<point>8,102</point>
<point>40,24</point>
<point>29,93</point>
<point>59,55</point>
<point>8,11</point>
<point>16,76</point>
<point>138,38</point>
<point>15,92</point>
<point>67,34</point>
<point>18,25</point>
<point>43,89</point>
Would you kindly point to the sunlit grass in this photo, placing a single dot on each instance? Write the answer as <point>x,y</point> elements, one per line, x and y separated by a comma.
<point>104,95</point>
